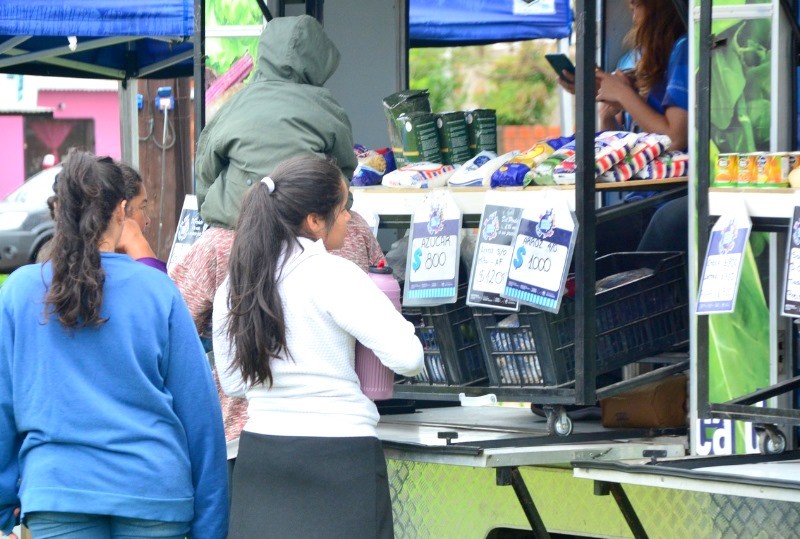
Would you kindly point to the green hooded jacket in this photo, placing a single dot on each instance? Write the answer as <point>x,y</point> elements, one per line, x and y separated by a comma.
<point>284,111</point>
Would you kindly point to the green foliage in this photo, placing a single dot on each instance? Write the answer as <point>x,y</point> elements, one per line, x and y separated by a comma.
<point>431,69</point>
<point>223,52</point>
<point>517,83</point>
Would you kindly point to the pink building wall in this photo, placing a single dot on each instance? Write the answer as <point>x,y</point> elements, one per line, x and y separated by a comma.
<point>102,106</point>
<point>11,155</point>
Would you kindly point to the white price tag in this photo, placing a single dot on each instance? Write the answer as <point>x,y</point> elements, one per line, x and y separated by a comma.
<point>722,268</point>
<point>791,289</point>
<point>190,226</point>
<point>493,257</point>
<point>542,253</point>
<point>433,253</point>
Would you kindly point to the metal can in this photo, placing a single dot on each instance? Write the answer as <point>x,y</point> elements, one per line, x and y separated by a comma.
<point>727,170</point>
<point>794,160</point>
<point>776,170</point>
<point>748,169</point>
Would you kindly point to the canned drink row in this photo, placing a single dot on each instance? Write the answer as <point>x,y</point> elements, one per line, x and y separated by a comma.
<point>755,169</point>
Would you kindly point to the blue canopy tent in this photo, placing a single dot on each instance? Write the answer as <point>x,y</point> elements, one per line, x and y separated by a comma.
<point>107,39</point>
<point>447,23</point>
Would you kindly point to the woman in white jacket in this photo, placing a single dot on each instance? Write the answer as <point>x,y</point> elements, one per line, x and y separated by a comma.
<point>285,326</point>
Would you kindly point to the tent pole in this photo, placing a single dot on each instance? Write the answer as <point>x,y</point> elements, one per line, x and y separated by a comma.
<point>129,121</point>
<point>199,73</point>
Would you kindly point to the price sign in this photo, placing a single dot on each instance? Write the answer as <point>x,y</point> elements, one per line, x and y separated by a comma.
<point>723,264</point>
<point>433,252</point>
<point>190,226</point>
<point>791,294</point>
<point>493,257</point>
<point>542,251</point>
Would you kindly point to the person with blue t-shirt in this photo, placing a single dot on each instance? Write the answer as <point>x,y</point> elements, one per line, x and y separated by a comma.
<point>109,421</point>
<point>654,94</point>
<point>648,92</point>
<point>653,97</point>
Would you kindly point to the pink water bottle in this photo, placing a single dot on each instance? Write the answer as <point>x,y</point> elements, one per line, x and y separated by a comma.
<point>377,380</point>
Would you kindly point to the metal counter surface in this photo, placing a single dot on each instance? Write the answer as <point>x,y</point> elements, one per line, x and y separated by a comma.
<point>771,477</point>
<point>497,436</point>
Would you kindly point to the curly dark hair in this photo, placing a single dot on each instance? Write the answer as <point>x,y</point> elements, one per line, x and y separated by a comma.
<point>268,228</point>
<point>89,189</point>
<point>133,184</point>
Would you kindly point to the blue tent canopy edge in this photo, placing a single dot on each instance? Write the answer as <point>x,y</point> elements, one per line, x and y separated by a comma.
<point>113,39</point>
<point>438,23</point>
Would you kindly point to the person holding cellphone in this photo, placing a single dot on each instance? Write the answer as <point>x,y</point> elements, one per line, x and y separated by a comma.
<point>648,92</point>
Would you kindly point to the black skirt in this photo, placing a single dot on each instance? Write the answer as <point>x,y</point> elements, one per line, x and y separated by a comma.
<point>307,487</point>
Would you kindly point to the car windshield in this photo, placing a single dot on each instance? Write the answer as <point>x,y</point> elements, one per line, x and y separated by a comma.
<point>36,190</point>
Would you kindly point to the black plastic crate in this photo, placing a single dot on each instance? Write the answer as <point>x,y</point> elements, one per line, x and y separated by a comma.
<point>451,342</point>
<point>637,319</point>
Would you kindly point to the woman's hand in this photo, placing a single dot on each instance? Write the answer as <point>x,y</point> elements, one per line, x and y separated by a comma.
<point>567,81</point>
<point>615,88</point>
<point>132,241</point>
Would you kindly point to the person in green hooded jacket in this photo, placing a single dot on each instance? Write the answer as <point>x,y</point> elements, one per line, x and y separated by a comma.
<point>284,111</point>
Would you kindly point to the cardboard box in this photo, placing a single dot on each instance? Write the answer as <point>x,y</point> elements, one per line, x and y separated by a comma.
<point>662,403</point>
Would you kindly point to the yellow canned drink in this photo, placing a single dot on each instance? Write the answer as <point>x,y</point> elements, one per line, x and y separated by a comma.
<point>776,173</point>
<point>748,169</point>
<point>727,170</point>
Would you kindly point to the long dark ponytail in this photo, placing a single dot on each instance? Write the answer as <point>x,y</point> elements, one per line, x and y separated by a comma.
<point>88,190</point>
<point>270,222</point>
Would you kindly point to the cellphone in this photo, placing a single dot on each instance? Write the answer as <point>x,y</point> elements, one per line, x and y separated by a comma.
<point>560,62</point>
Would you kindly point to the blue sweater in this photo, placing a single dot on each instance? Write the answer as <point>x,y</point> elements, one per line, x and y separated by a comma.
<point>119,420</point>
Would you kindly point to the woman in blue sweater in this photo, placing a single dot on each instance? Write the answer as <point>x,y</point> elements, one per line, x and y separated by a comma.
<point>109,420</point>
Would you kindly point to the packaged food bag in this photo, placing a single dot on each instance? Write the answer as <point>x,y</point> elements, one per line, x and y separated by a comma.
<point>453,137</point>
<point>667,165</point>
<point>468,174</point>
<point>419,175</point>
<point>648,147</point>
<point>400,103</point>
<point>610,147</point>
<point>420,137</point>
<point>482,130</point>
<point>370,169</point>
<point>490,167</point>
<point>542,174</point>
<point>513,172</point>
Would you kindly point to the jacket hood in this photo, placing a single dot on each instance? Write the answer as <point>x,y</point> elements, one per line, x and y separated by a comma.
<point>296,49</point>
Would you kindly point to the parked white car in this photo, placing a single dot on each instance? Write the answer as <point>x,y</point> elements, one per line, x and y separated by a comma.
<point>25,222</point>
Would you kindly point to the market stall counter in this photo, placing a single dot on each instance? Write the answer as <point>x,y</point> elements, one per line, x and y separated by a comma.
<point>736,496</point>
<point>507,443</point>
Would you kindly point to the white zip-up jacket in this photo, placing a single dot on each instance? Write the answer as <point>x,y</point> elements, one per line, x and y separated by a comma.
<point>328,304</point>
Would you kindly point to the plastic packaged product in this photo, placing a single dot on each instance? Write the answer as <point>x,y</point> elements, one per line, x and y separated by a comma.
<point>482,130</point>
<point>542,174</point>
<point>513,172</point>
<point>453,137</point>
<point>467,174</point>
<point>489,168</point>
<point>370,169</point>
<point>419,175</point>
<point>610,147</point>
<point>365,175</point>
<point>420,137</point>
<point>667,165</point>
<point>400,103</point>
<point>647,147</point>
